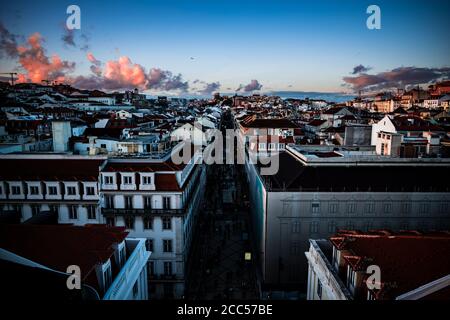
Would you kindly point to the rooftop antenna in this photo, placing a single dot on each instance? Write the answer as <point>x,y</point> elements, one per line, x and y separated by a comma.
<point>11,75</point>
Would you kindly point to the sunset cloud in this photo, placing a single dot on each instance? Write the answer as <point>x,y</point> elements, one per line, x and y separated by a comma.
<point>397,78</point>
<point>37,65</point>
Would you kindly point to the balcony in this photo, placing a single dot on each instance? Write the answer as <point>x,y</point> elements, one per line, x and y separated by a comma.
<point>141,212</point>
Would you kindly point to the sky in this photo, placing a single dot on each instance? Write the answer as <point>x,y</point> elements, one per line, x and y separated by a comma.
<point>203,46</point>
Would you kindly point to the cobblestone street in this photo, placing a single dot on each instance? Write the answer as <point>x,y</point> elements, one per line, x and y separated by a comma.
<point>218,268</point>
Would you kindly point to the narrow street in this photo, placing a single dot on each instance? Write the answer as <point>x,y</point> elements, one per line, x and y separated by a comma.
<point>219,269</point>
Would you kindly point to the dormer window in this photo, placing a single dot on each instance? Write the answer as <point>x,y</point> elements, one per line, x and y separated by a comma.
<point>127,180</point>
<point>52,190</point>
<point>90,191</point>
<point>147,180</point>
<point>108,180</point>
<point>15,190</point>
<point>34,190</point>
<point>71,191</point>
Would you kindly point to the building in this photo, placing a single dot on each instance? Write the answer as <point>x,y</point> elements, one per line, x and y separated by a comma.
<point>320,189</point>
<point>158,201</point>
<point>61,133</point>
<point>39,260</point>
<point>406,136</point>
<point>338,267</point>
<point>62,184</point>
<point>154,199</point>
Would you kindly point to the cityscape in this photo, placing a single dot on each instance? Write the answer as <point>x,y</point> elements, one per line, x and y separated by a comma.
<point>238,153</point>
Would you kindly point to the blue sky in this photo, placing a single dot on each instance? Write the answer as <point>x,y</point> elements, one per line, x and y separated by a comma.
<point>284,45</point>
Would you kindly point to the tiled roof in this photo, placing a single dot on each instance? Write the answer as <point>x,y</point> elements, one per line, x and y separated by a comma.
<point>50,169</point>
<point>268,123</point>
<point>406,260</point>
<point>59,246</point>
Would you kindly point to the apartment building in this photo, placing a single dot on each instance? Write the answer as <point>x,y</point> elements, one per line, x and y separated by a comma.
<point>341,268</point>
<point>153,199</point>
<point>318,190</point>
<point>158,201</point>
<point>64,185</point>
<point>111,266</point>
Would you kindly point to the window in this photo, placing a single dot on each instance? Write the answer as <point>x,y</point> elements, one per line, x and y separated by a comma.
<point>167,245</point>
<point>272,146</point>
<point>168,268</point>
<point>261,146</point>
<point>122,256</point>
<point>296,227</point>
<point>90,191</point>
<point>107,278</point>
<point>406,207</point>
<point>149,244</point>
<point>351,208</point>
<point>71,191</point>
<point>127,180</point>
<point>109,202</point>
<point>332,226</point>
<point>333,207</point>
<point>319,289</point>
<point>135,288</point>
<point>129,222</point>
<point>369,225</point>
<point>166,223</point>
<point>103,145</point>
<point>147,180</point>
<point>315,207</point>
<point>314,227</point>
<point>151,268</point>
<point>110,222</point>
<point>387,207</point>
<point>166,202</point>
<point>350,277</point>
<point>147,202</point>
<point>148,223</point>
<point>35,210</point>
<point>295,248</point>
<point>128,202</point>
<point>52,190</point>
<point>108,180</point>
<point>53,209</point>
<point>424,207</point>
<point>281,146</point>
<point>73,213</point>
<point>15,190</point>
<point>91,212</point>
<point>369,207</point>
<point>34,190</point>
<point>350,225</point>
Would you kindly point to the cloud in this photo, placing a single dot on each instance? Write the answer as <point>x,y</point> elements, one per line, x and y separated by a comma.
<point>8,43</point>
<point>124,74</point>
<point>210,88</point>
<point>96,64</point>
<point>360,69</point>
<point>164,80</point>
<point>68,38</point>
<point>397,78</point>
<point>38,65</point>
<point>252,86</point>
